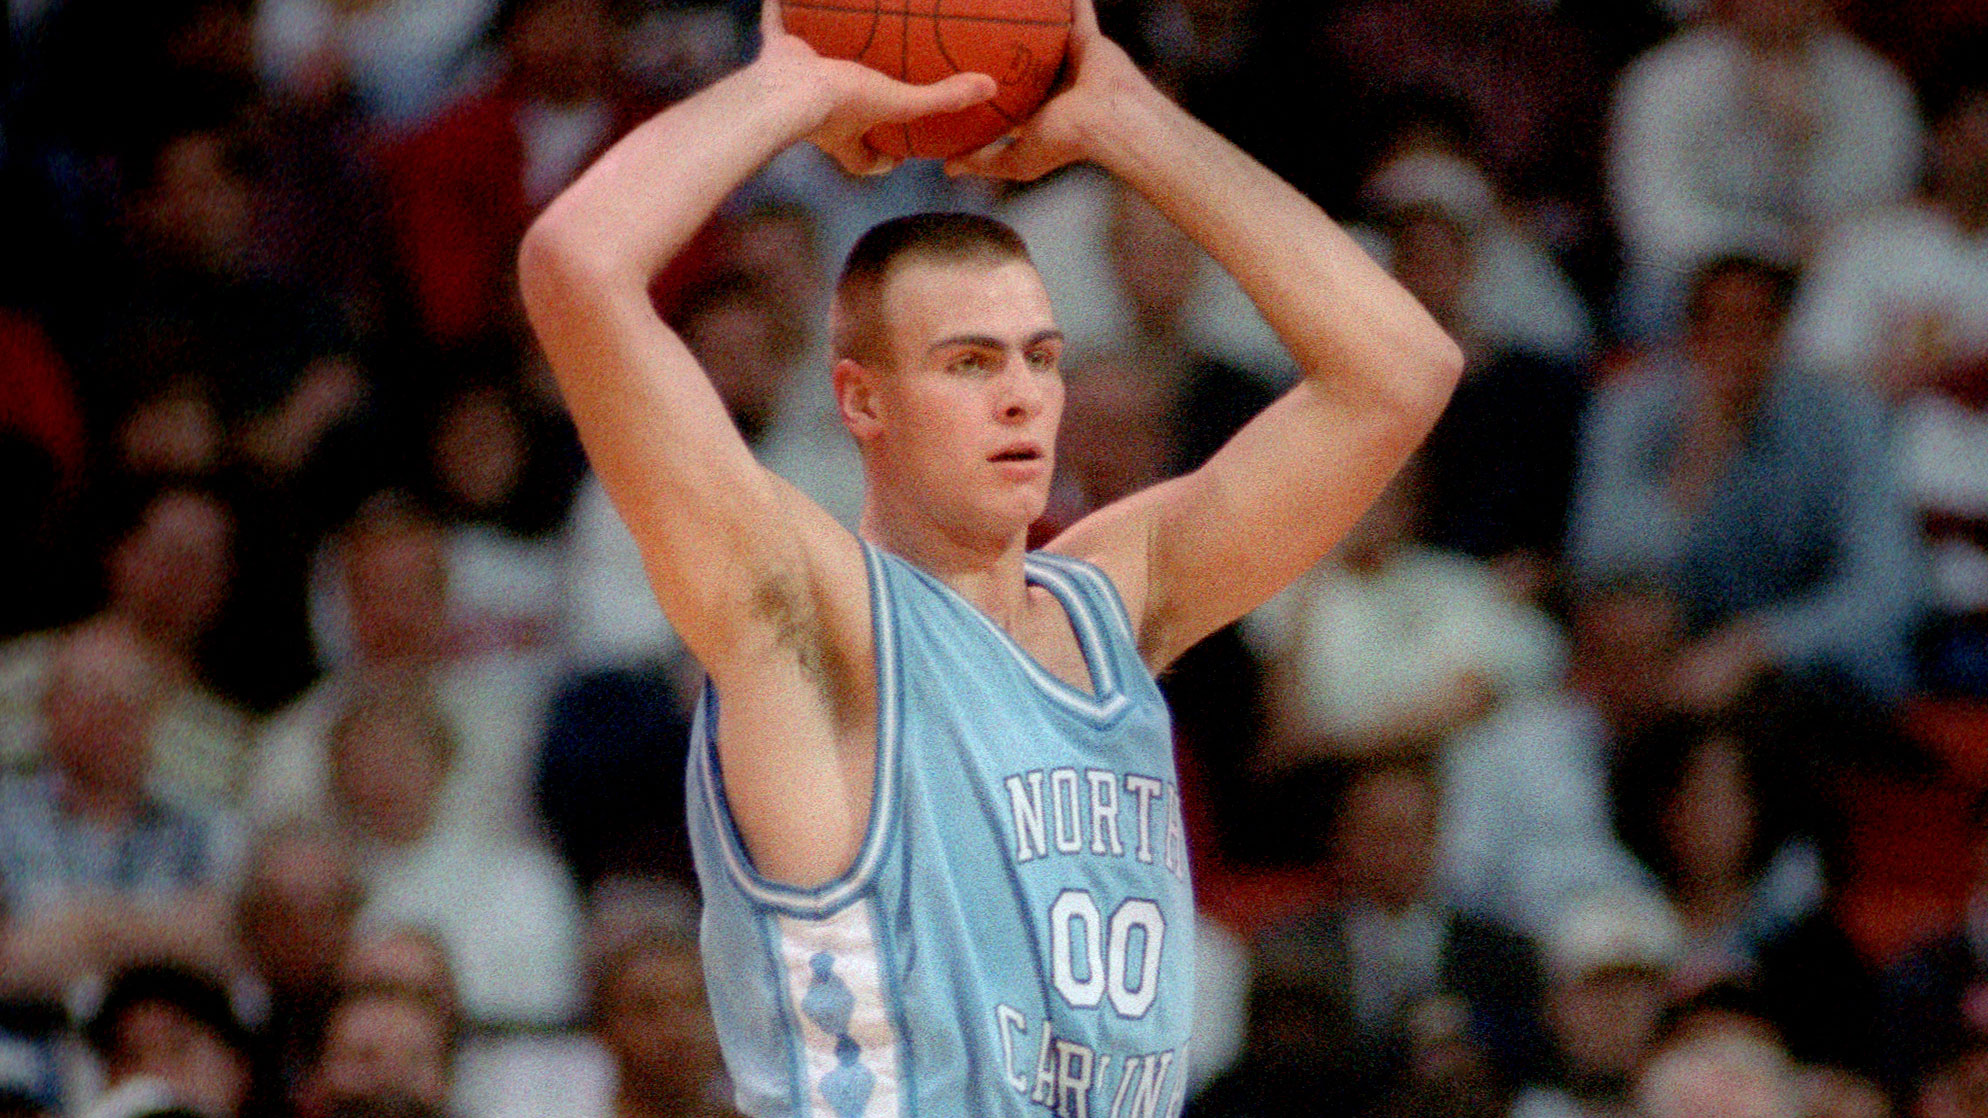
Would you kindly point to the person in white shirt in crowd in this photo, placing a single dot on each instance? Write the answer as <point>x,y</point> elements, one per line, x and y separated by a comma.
<point>1122,277</point>
<point>1749,132</point>
<point>1528,830</point>
<point>1389,646</point>
<point>402,58</point>
<point>503,575</point>
<point>1514,294</point>
<point>394,610</point>
<point>1608,959</point>
<point>507,914</point>
<point>294,919</point>
<point>167,577</point>
<point>95,871</point>
<point>1898,301</point>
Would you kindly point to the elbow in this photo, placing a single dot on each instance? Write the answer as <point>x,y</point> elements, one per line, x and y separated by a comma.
<point>554,263</point>
<point>1437,363</point>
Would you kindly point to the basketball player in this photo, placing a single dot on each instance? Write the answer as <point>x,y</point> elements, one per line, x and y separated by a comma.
<point>933,791</point>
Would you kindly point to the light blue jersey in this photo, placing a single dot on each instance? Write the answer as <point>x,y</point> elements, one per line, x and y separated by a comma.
<point>1016,936</point>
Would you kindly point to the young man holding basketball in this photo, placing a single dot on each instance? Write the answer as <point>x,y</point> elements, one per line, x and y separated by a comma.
<point>937,824</point>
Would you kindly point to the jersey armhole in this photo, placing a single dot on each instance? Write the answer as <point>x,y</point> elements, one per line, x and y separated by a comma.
<point>826,899</point>
<point>1102,590</point>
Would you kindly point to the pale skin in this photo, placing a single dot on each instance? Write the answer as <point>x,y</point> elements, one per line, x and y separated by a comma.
<point>957,425</point>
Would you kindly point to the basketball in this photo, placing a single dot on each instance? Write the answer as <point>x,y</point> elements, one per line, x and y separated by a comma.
<point>1018,43</point>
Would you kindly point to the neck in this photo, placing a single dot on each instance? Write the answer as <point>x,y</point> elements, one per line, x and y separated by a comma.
<point>984,570</point>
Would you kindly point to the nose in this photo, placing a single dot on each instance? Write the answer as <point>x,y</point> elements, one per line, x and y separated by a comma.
<point>1020,392</point>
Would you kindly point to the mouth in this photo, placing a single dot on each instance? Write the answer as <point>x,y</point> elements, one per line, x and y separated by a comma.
<point>1017,452</point>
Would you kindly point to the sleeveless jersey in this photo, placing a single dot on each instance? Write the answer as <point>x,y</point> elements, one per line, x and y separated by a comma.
<point>1016,935</point>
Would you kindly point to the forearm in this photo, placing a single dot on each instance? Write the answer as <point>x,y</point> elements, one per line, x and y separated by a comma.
<point>1346,321</point>
<point>642,201</point>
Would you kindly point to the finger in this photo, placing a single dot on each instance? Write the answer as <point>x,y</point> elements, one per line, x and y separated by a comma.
<point>981,161</point>
<point>1084,19</point>
<point>770,23</point>
<point>960,91</point>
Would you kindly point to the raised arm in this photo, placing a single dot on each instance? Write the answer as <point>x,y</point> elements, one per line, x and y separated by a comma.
<point>1197,552</point>
<point>764,587</point>
<point>718,533</point>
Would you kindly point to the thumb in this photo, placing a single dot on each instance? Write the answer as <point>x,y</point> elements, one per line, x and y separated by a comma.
<point>960,91</point>
<point>1021,157</point>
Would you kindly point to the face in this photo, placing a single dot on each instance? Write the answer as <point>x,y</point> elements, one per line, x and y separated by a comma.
<point>297,913</point>
<point>1711,820</point>
<point>1154,261</point>
<point>1737,337</point>
<point>561,50</point>
<point>158,1039</point>
<point>1774,23</point>
<point>1961,1091</point>
<point>385,1046</point>
<point>1960,151</point>
<point>655,1021</point>
<point>1433,260</point>
<point>1387,837</point>
<point>171,574</point>
<point>1625,642</point>
<point>398,587</point>
<point>1604,1022</point>
<point>960,433</point>
<point>99,708</point>
<point>387,770</point>
<point>198,207</point>
<point>478,450</point>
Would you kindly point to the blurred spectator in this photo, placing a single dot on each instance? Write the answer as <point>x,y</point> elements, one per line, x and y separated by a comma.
<point>1123,277</point>
<point>464,186</point>
<point>1936,999</point>
<point>1500,462</point>
<point>1898,298</point>
<point>165,1037</point>
<point>298,901</point>
<point>1337,992</point>
<point>274,356</point>
<point>1721,1076</point>
<point>1529,830</point>
<point>507,915</point>
<point>1607,961</point>
<point>168,578</point>
<point>1526,86</point>
<point>1748,133</point>
<point>400,58</point>
<point>649,1013</point>
<point>1761,496</point>
<point>1697,804</point>
<point>503,582</point>
<point>1499,286</point>
<point>404,956</point>
<point>1900,302</point>
<point>172,434</point>
<point>1391,646</point>
<point>388,1050</point>
<point>386,607</point>
<point>95,871</point>
<point>1955,1084</point>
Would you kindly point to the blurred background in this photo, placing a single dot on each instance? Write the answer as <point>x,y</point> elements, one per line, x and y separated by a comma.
<point>1628,759</point>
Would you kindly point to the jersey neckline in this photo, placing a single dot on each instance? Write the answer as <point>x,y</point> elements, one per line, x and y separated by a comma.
<point>1107,698</point>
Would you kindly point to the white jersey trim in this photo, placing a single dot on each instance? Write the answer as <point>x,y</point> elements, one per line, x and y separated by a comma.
<point>837,993</point>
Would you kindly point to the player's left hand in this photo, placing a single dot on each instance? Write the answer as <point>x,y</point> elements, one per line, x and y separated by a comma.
<point>1096,73</point>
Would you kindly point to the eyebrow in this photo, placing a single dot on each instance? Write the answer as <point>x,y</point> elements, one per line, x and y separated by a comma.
<point>988,341</point>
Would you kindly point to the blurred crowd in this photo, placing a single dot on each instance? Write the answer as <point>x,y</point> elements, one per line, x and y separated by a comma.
<point>1627,761</point>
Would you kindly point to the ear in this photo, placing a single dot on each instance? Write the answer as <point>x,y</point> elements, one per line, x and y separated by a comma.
<point>856,397</point>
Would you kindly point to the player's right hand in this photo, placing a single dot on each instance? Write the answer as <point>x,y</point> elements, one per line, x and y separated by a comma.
<point>853,98</point>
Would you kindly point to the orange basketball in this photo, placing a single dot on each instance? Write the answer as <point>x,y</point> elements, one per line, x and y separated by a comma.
<point>1019,43</point>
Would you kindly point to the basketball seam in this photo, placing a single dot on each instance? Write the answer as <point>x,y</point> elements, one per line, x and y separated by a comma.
<point>908,14</point>
<point>939,37</point>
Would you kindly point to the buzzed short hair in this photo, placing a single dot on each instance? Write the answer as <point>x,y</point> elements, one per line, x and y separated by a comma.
<point>856,320</point>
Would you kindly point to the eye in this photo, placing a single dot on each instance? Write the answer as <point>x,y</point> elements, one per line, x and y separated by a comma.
<point>1042,359</point>
<point>971,361</point>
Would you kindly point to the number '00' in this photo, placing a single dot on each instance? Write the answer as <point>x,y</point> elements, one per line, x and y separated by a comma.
<point>1105,953</point>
